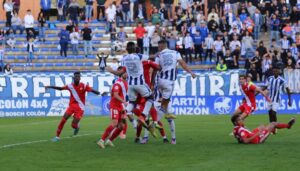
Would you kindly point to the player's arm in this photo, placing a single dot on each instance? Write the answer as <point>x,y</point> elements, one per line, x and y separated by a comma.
<point>95,92</point>
<point>55,88</point>
<point>259,90</point>
<point>248,140</point>
<point>119,98</point>
<point>115,72</point>
<point>154,65</point>
<point>186,68</point>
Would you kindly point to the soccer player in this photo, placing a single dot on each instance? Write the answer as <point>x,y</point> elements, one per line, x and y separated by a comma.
<point>275,84</point>
<point>76,105</point>
<point>259,134</point>
<point>168,59</point>
<point>249,102</point>
<point>137,85</point>
<point>117,110</point>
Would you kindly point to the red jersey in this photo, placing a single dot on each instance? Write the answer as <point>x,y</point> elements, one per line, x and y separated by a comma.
<point>147,65</point>
<point>120,87</point>
<point>248,91</point>
<point>240,133</point>
<point>139,32</point>
<point>78,93</point>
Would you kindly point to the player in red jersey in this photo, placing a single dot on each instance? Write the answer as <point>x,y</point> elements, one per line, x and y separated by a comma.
<point>249,91</point>
<point>259,134</point>
<point>117,110</point>
<point>76,105</point>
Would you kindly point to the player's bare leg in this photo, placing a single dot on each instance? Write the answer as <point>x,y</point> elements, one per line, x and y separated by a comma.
<point>107,132</point>
<point>164,109</point>
<point>75,126</point>
<point>124,130</point>
<point>60,127</point>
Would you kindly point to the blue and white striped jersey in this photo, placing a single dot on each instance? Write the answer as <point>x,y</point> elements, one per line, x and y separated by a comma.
<point>134,68</point>
<point>168,60</point>
<point>275,86</point>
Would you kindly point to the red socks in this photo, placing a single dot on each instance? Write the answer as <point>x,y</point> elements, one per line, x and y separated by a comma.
<point>74,125</point>
<point>139,130</point>
<point>137,112</point>
<point>153,114</point>
<point>282,126</point>
<point>60,126</point>
<point>115,134</point>
<point>107,132</point>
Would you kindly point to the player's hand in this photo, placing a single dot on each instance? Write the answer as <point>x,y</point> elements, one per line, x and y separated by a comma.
<point>290,103</point>
<point>193,75</point>
<point>104,94</point>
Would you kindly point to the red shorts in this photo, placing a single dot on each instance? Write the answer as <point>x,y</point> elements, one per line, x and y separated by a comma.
<point>245,108</point>
<point>117,114</point>
<point>261,138</point>
<point>76,111</point>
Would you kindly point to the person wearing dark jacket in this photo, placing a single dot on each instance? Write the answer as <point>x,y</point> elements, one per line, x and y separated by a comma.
<point>140,13</point>
<point>63,41</point>
<point>102,61</point>
<point>74,12</point>
<point>17,4</point>
<point>100,8</point>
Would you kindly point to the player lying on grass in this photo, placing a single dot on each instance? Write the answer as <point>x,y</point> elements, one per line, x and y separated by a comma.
<point>76,105</point>
<point>249,91</point>
<point>117,110</point>
<point>259,134</point>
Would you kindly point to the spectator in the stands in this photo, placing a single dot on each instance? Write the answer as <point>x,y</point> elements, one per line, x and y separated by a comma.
<point>2,37</point>
<point>254,72</point>
<point>42,22</point>
<point>64,37</point>
<point>10,38</point>
<point>30,35</point>
<point>8,70</point>
<point>261,49</point>
<point>154,43</point>
<point>102,61</point>
<point>110,16</point>
<point>122,37</point>
<point>74,37</point>
<point>275,25</point>
<point>8,7</point>
<point>30,50</point>
<point>294,51</point>
<point>208,45</point>
<point>221,66</point>
<point>17,4</point>
<point>139,34</point>
<point>290,64</point>
<point>17,23</point>
<point>113,32</point>
<point>213,26</point>
<point>60,10</point>
<point>198,45</point>
<point>169,7</point>
<point>140,14</point>
<point>258,21</point>
<point>218,46</point>
<point>126,11</point>
<point>247,44</point>
<point>119,15</point>
<point>100,9</point>
<point>189,47</point>
<point>86,33</point>
<point>45,8</point>
<point>74,12</point>
<point>88,10</point>
<point>146,45</point>
<point>70,27</point>
<point>29,22</point>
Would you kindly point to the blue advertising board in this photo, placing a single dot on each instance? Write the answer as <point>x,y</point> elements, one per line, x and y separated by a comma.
<point>210,93</point>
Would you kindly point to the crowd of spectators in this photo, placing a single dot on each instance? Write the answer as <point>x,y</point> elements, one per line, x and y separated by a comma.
<point>253,34</point>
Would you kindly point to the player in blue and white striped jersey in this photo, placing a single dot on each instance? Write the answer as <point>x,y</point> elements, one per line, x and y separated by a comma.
<point>168,60</point>
<point>275,84</point>
<point>133,65</point>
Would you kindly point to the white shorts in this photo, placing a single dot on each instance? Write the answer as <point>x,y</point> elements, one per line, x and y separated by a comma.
<point>134,90</point>
<point>165,87</point>
<point>274,106</point>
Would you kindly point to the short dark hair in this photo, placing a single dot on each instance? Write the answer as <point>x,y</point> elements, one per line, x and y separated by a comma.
<point>162,42</point>
<point>234,118</point>
<point>242,75</point>
<point>77,73</point>
<point>131,47</point>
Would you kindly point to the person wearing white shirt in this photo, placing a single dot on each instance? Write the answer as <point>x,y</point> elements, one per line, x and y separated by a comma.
<point>218,48</point>
<point>189,47</point>
<point>233,44</point>
<point>285,44</point>
<point>8,70</point>
<point>74,37</point>
<point>208,44</point>
<point>110,12</point>
<point>150,28</point>
<point>8,7</point>
<point>29,22</point>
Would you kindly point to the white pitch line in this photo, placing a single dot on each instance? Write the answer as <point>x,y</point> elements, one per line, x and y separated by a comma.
<point>42,141</point>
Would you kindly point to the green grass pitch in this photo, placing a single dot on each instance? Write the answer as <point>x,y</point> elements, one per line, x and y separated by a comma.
<point>203,144</point>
